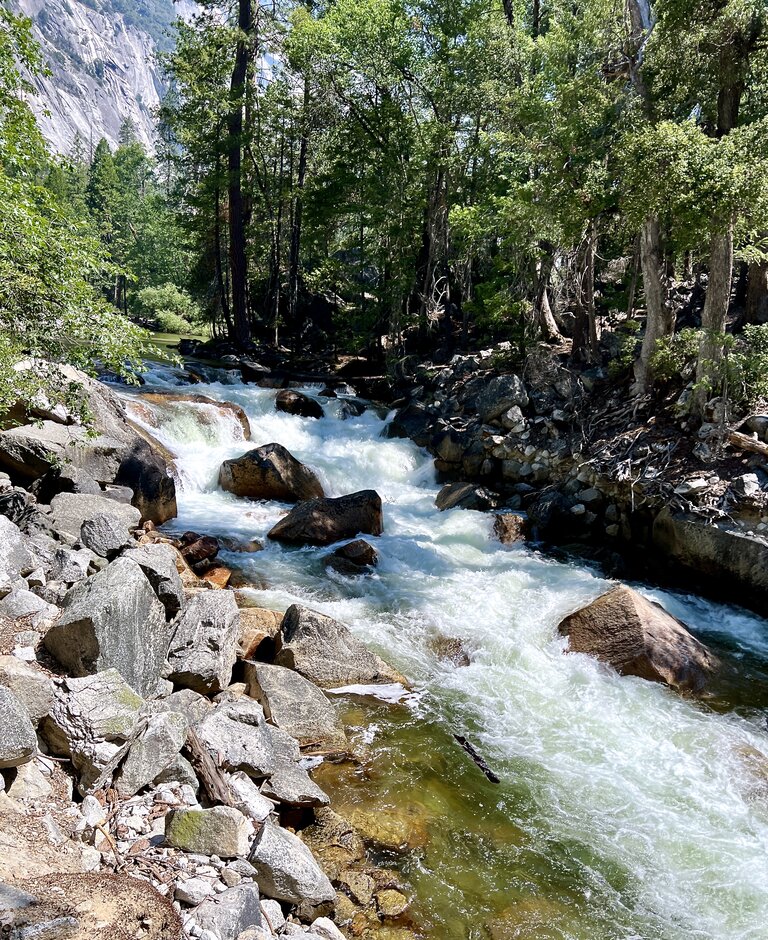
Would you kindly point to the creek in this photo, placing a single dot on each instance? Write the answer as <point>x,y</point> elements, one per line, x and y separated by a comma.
<point>624,810</point>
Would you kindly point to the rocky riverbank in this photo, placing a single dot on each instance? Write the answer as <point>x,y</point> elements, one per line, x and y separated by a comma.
<point>160,732</point>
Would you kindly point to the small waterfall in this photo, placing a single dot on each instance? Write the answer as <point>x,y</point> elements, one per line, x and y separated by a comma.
<point>625,810</point>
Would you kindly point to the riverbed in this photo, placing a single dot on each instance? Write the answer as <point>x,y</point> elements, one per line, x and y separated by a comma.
<point>624,810</point>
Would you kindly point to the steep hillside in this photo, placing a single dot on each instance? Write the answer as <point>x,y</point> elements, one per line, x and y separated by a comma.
<point>101,55</point>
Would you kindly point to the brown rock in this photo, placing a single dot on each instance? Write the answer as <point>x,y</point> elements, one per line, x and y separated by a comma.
<point>639,638</point>
<point>196,548</point>
<point>257,625</point>
<point>353,558</point>
<point>244,548</point>
<point>295,403</point>
<point>269,472</point>
<point>510,527</point>
<point>324,521</point>
<point>391,903</point>
<point>218,577</point>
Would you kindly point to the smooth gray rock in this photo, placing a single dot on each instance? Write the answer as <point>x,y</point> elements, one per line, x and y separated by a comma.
<point>238,734</point>
<point>91,720</point>
<point>156,747</point>
<point>105,534</point>
<point>158,562</point>
<point>325,652</point>
<point>31,686</point>
<point>70,510</point>
<point>15,556</point>
<point>296,705</point>
<point>114,620</point>
<point>220,830</point>
<point>227,915</point>
<point>286,870</point>
<point>24,605</point>
<point>18,742</point>
<point>204,642</point>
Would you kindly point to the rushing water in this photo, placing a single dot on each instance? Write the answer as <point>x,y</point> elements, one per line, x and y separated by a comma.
<point>624,810</point>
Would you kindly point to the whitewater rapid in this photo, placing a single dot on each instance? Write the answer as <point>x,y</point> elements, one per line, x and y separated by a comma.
<point>642,814</point>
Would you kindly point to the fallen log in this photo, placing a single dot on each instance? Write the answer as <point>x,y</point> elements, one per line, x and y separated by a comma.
<point>477,758</point>
<point>744,442</point>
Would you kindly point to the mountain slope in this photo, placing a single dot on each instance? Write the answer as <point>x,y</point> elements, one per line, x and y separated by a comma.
<point>101,55</point>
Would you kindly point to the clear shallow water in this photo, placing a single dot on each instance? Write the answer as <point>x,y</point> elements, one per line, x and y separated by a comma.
<point>624,811</point>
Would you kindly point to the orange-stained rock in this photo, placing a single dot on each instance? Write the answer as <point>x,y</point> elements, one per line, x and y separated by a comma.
<point>510,527</point>
<point>256,625</point>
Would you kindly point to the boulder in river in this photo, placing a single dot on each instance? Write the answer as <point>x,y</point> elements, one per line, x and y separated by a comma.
<point>354,558</point>
<point>270,472</point>
<point>296,403</point>
<point>510,527</point>
<point>325,652</point>
<point>465,496</point>
<point>324,521</point>
<point>222,408</point>
<point>639,638</point>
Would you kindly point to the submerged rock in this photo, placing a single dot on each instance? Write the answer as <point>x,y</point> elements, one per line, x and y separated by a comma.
<point>296,403</point>
<point>270,472</point>
<point>354,558</point>
<point>324,521</point>
<point>325,652</point>
<point>639,638</point>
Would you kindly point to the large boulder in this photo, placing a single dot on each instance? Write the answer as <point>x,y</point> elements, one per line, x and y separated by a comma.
<point>105,535</point>
<point>286,870</point>
<point>113,619</point>
<point>207,410</point>
<point>155,749</point>
<point>18,742</point>
<point>113,451</point>
<point>158,562</point>
<point>324,521</point>
<point>69,511</point>
<point>491,397</point>
<point>296,705</point>
<point>92,721</point>
<point>270,472</point>
<point>237,734</point>
<point>204,645</point>
<point>325,652</point>
<point>639,638</point>
<point>411,421</point>
<point>465,496</point>
<point>296,403</point>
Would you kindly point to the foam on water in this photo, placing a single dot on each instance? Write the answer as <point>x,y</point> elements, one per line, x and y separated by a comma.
<point>644,794</point>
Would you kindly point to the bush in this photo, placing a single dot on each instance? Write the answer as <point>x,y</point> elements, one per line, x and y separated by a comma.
<point>167,309</point>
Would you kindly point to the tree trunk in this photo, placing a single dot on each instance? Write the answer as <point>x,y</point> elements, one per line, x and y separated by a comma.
<point>714,316</point>
<point>585,342</point>
<point>660,318</point>
<point>238,267</point>
<point>545,320</point>
<point>757,293</point>
<point>298,209</point>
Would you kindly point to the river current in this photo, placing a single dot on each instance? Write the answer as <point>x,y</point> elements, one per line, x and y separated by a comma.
<point>624,810</point>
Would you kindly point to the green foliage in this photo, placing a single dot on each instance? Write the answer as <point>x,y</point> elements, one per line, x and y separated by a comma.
<point>628,337</point>
<point>167,309</point>
<point>675,355</point>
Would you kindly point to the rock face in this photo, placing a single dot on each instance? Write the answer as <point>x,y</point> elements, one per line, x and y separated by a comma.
<point>220,830</point>
<point>295,403</point>
<point>270,472</point>
<point>204,645</point>
<point>325,652</point>
<point>286,870</point>
<point>296,705</point>
<point>324,521</point>
<point>639,638</point>
<point>18,742</point>
<point>114,620</point>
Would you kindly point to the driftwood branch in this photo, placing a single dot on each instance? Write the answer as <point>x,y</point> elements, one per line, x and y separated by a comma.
<point>212,779</point>
<point>744,442</point>
<point>477,758</point>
